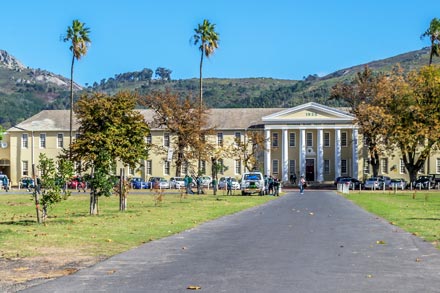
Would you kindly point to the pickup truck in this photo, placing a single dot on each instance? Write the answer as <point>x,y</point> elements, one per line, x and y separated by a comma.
<point>252,182</point>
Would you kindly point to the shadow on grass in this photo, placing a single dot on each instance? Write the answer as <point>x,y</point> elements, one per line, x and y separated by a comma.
<point>425,219</point>
<point>19,222</point>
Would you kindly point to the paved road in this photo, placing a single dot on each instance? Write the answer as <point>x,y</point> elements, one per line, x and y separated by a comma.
<point>318,242</point>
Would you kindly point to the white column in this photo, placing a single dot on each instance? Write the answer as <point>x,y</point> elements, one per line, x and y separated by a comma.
<point>267,163</point>
<point>355,153</point>
<point>320,155</point>
<point>302,153</point>
<point>337,152</point>
<point>285,156</point>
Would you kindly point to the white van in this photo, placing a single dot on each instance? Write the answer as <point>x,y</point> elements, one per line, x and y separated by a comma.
<point>252,182</point>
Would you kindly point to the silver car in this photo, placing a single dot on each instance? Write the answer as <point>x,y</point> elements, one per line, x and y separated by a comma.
<point>373,183</point>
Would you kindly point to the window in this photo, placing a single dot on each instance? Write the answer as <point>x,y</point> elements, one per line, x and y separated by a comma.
<point>326,139</point>
<point>438,166</point>
<point>149,167</point>
<point>24,141</point>
<point>149,139</point>
<point>25,168</point>
<point>343,139</point>
<point>185,168</point>
<point>326,166</point>
<point>422,168</point>
<point>60,140</point>
<point>275,140</point>
<point>384,165</point>
<point>275,167</point>
<point>77,135</point>
<point>166,168</point>
<point>238,137</point>
<point>166,139</point>
<point>292,167</point>
<point>220,139</point>
<point>130,171</point>
<point>309,138</point>
<point>292,139</point>
<point>42,140</point>
<point>237,167</point>
<point>344,166</point>
<point>403,169</point>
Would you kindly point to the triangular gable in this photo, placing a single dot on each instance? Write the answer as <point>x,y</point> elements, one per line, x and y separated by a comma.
<point>312,112</point>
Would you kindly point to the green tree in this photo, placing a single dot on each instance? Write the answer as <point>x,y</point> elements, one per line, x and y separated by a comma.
<point>50,189</point>
<point>207,39</point>
<point>433,32</point>
<point>110,130</point>
<point>78,36</point>
<point>2,131</point>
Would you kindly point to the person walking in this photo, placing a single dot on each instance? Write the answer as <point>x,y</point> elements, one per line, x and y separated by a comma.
<point>276,187</point>
<point>301,184</point>
<point>229,186</point>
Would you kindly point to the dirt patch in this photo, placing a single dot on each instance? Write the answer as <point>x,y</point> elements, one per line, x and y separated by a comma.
<point>20,273</point>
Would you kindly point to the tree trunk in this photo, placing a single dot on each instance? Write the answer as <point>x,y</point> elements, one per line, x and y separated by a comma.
<point>93,202</point>
<point>36,191</point>
<point>122,192</point>
<point>71,108</point>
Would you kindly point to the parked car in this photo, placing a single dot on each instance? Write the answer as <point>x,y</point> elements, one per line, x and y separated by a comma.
<point>164,184</point>
<point>252,182</point>
<point>386,180</point>
<point>398,183</point>
<point>424,182</point>
<point>373,183</point>
<point>153,182</point>
<point>26,182</point>
<point>352,182</point>
<point>138,183</point>
<point>222,184</point>
<point>177,182</point>
<point>206,181</point>
<point>338,179</point>
<point>77,183</point>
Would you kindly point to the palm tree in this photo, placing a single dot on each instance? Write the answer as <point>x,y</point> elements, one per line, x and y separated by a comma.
<point>205,36</point>
<point>78,35</point>
<point>433,32</point>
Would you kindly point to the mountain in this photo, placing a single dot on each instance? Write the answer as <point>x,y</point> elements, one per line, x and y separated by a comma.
<point>25,91</point>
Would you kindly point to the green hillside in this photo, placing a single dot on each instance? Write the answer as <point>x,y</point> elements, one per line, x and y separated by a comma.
<point>26,91</point>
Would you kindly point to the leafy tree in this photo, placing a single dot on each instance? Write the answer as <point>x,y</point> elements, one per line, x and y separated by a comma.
<point>412,117</point>
<point>110,130</point>
<point>78,36</point>
<point>207,38</point>
<point>2,130</point>
<point>51,191</point>
<point>249,149</point>
<point>179,117</point>
<point>360,95</point>
<point>163,73</point>
<point>433,32</point>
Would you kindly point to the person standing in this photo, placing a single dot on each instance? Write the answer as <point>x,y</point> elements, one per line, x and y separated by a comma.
<point>229,186</point>
<point>276,187</point>
<point>301,184</point>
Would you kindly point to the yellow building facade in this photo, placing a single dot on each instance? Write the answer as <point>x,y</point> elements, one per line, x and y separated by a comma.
<point>313,140</point>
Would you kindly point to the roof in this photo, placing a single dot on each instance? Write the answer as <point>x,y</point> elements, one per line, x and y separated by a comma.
<point>220,118</point>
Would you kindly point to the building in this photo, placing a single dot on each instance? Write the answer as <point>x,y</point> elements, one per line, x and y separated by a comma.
<point>313,140</point>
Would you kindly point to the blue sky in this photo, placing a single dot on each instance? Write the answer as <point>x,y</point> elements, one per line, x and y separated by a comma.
<point>278,38</point>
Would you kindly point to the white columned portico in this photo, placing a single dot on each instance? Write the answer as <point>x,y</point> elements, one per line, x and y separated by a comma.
<point>302,153</point>
<point>337,152</point>
<point>285,156</point>
<point>355,153</point>
<point>320,157</point>
<point>267,163</point>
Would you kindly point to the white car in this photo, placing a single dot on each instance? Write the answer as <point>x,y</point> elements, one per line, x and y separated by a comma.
<point>252,182</point>
<point>164,184</point>
<point>177,182</point>
<point>222,184</point>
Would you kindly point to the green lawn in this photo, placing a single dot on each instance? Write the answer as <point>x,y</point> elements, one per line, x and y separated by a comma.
<point>416,212</point>
<point>69,226</point>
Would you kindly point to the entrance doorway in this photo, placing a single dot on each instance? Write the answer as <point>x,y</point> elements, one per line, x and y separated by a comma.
<point>310,169</point>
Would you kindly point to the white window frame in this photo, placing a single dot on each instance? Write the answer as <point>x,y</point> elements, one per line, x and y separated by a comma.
<point>237,167</point>
<point>166,139</point>
<point>275,166</point>
<point>43,140</point>
<point>327,140</point>
<point>344,137</point>
<point>309,139</point>
<point>149,138</point>
<point>275,139</point>
<point>60,140</point>
<point>292,167</point>
<point>402,167</point>
<point>24,141</point>
<point>220,139</point>
<point>149,167</point>
<point>326,166</point>
<point>292,139</point>
<point>237,136</point>
<point>384,165</point>
<point>25,168</point>
<point>166,168</point>
<point>344,167</point>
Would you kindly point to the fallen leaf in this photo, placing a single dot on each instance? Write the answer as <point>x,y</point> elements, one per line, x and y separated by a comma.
<point>369,276</point>
<point>311,213</point>
<point>111,272</point>
<point>183,248</point>
<point>109,240</point>
<point>418,260</point>
<point>192,287</point>
<point>380,242</point>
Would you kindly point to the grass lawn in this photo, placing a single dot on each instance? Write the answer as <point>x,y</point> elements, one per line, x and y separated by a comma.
<point>416,212</point>
<point>70,228</point>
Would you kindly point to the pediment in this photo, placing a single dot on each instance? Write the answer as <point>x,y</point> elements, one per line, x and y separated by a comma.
<point>310,112</point>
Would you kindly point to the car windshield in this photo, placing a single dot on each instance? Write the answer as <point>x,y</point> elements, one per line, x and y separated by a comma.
<point>252,177</point>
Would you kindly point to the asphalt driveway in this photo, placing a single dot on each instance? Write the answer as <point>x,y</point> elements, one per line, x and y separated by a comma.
<point>317,242</point>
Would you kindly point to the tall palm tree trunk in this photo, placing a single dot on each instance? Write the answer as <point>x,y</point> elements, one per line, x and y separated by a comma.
<point>200,108</point>
<point>71,108</point>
